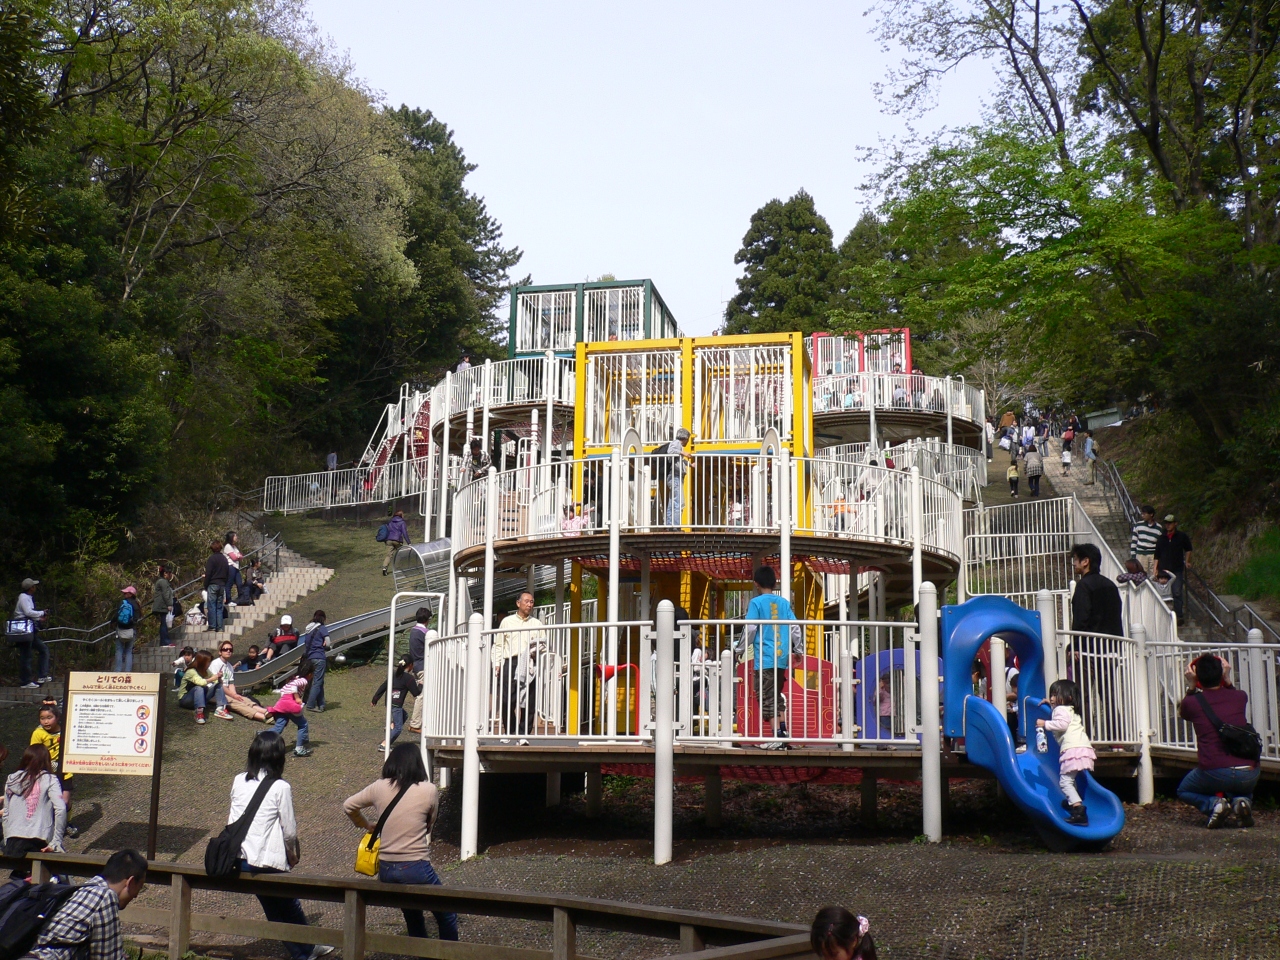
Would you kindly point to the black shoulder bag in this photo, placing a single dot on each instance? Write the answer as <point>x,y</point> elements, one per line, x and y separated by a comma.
<point>1239,741</point>
<point>222,855</point>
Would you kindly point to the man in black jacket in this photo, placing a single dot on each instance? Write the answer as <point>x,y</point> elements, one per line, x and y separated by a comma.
<point>1095,606</point>
<point>216,574</point>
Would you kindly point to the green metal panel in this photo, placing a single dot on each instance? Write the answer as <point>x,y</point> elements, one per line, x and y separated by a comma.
<point>578,312</point>
<point>648,309</point>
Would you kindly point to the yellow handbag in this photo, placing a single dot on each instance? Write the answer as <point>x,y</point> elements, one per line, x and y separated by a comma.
<point>371,842</point>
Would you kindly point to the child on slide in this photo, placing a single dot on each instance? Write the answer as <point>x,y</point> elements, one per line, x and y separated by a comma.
<point>1075,750</point>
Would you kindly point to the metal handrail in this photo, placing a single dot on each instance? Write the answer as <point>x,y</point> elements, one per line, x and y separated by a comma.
<point>1234,622</point>
<point>183,592</point>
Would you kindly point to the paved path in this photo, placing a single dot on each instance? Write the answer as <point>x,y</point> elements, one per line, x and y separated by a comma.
<point>1168,888</point>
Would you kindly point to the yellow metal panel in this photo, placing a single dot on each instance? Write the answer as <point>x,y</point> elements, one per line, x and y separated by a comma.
<point>575,646</point>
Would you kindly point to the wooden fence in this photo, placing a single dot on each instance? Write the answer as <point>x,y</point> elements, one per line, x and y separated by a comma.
<point>711,936</point>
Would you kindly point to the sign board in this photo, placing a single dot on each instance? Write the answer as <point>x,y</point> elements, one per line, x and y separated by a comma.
<point>111,724</point>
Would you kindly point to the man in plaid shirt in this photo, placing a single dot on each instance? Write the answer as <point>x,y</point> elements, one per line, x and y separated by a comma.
<point>87,927</point>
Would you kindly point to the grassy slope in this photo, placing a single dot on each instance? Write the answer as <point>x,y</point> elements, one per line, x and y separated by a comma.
<point>1236,550</point>
<point>350,550</point>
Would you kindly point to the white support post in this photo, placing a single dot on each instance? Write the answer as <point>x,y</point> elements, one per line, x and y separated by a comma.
<point>726,697</point>
<point>950,406</point>
<point>998,684</point>
<point>490,526</point>
<point>785,524</point>
<point>646,566</point>
<point>610,703</point>
<point>663,740</point>
<point>547,377</point>
<point>1048,611</point>
<point>428,490</point>
<point>560,617</point>
<point>471,741</point>
<point>1146,769</point>
<point>917,534</point>
<point>684,644</point>
<point>442,520</point>
<point>873,436</point>
<point>847,691</point>
<point>471,429</point>
<point>486,386</point>
<point>931,720</point>
<point>982,422</point>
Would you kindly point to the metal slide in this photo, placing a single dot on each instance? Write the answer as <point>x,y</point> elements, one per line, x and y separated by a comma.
<point>428,571</point>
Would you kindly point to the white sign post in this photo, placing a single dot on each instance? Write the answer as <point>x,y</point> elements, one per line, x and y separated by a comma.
<point>115,725</point>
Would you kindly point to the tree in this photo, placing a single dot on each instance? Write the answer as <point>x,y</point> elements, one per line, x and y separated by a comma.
<point>788,258</point>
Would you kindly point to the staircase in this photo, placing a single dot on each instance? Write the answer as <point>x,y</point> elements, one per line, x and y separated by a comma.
<point>294,579</point>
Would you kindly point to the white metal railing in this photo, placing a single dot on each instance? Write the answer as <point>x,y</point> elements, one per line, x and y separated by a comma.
<point>355,485</point>
<point>614,313</point>
<point>741,393</point>
<point>1108,670</point>
<point>522,381</point>
<point>1014,550</point>
<point>546,320</point>
<point>896,391</point>
<point>637,390</point>
<point>855,682</point>
<point>861,502</point>
<point>1253,669</point>
<point>712,492</point>
<point>963,469</point>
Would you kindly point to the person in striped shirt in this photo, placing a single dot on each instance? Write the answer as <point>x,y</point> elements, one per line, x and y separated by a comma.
<point>1142,544</point>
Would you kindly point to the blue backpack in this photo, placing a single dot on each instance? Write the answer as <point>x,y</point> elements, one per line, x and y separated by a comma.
<point>382,533</point>
<point>124,616</point>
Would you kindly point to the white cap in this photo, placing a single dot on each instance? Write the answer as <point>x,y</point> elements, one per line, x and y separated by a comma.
<point>286,620</point>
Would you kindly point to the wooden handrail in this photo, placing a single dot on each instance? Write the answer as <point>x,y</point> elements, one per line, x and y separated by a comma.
<point>691,929</point>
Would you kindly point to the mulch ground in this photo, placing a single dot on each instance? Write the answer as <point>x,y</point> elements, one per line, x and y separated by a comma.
<point>1166,888</point>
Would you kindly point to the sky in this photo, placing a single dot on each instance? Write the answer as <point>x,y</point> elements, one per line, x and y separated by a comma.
<point>638,139</point>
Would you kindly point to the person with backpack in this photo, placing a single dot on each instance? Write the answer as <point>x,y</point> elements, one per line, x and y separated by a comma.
<point>403,684</point>
<point>1221,786</point>
<point>35,815</point>
<point>673,462</point>
<point>23,631</point>
<point>216,574</point>
<point>162,603</point>
<point>418,652</point>
<point>127,616</point>
<point>88,922</point>
<point>283,638</point>
<point>271,842</point>
<point>395,537</point>
<point>315,644</point>
<point>403,804</point>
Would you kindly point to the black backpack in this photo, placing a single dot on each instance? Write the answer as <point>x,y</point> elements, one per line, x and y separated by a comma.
<point>24,910</point>
<point>222,855</point>
<point>1239,741</point>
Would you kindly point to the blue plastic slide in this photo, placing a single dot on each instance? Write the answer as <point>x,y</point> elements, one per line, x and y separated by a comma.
<point>1030,779</point>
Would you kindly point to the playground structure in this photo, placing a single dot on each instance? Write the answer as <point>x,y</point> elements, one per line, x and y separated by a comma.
<point>857,479</point>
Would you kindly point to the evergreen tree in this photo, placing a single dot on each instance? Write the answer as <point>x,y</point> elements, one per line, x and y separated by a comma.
<point>789,259</point>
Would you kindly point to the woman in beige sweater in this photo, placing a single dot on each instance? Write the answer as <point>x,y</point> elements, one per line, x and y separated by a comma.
<point>405,848</point>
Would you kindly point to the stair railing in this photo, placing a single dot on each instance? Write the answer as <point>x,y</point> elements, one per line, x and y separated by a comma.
<point>1232,622</point>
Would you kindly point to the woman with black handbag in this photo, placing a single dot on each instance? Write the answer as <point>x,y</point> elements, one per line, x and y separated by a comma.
<point>405,803</point>
<point>270,843</point>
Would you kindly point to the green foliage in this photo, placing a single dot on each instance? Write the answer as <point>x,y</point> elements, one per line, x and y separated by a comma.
<point>219,255</point>
<point>1259,576</point>
<point>788,257</point>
